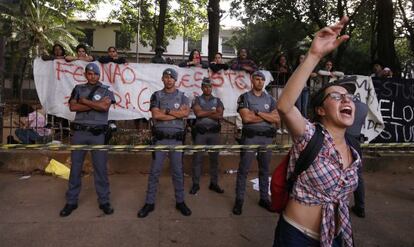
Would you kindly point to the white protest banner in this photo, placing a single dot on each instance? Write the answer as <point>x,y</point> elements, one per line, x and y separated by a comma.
<point>133,85</point>
<point>374,124</point>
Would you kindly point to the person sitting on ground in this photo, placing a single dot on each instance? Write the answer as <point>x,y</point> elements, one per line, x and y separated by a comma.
<point>317,211</point>
<point>243,63</point>
<point>112,57</point>
<point>57,53</point>
<point>81,54</point>
<point>31,125</point>
<point>217,64</point>
<point>328,74</point>
<point>158,58</point>
<point>194,60</point>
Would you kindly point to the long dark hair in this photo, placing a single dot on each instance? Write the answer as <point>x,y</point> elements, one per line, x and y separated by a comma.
<point>191,56</point>
<point>61,47</point>
<point>24,109</point>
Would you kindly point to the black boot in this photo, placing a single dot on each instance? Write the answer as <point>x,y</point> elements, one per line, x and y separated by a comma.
<point>145,210</point>
<point>238,205</point>
<point>216,188</point>
<point>184,210</point>
<point>358,211</point>
<point>67,210</point>
<point>106,208</point>
<point>194,189</point>
<point>266,205</point>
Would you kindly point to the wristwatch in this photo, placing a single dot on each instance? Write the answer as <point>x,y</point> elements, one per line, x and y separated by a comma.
<point>256,112</point>
<point>167,111</point>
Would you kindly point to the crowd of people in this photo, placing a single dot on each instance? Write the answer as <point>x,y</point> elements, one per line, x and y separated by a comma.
<point>317,211</point>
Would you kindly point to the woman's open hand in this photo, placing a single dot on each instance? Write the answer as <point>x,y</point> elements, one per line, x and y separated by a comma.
<point>327,39</point>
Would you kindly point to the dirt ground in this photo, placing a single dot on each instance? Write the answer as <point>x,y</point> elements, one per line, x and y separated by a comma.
<point>29,213</point>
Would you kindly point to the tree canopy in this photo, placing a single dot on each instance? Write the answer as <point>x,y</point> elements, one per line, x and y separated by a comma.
<point>293,24</point>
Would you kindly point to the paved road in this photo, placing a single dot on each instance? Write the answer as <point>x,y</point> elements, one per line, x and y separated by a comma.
<point>29,214</point>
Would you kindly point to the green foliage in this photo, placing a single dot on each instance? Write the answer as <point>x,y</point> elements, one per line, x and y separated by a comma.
<point>37,25</point>
<point>267,39</point>
<point>290,26</point>
<point>192,14</point>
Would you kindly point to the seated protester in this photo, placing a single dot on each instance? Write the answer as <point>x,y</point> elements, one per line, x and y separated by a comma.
<point>112,57</point>
<point>31,125</point>
<point>158,58</point>
<point>217,64</point>
<point>243,63</point>
<point>328,74</point>
<point>194,60</point>
<point>81,54</point>
<point>57,53</point>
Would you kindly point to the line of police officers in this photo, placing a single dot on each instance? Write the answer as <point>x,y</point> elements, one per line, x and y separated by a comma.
<point>169,108</point>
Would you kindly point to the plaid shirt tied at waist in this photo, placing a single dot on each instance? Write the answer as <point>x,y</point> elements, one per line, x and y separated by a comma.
<point>326,183</point>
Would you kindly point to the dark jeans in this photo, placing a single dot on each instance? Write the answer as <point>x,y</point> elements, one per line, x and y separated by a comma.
<point>359,193</point>
<point>27,136</point>
<point>287,235</point>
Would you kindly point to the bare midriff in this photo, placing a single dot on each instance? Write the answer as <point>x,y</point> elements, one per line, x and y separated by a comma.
<point>304,215</point>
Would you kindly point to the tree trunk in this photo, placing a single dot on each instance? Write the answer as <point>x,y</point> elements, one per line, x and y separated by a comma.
<point>385,36</point>
<point>159,40</point>
<point>213,27</point>
<point>2,48</point>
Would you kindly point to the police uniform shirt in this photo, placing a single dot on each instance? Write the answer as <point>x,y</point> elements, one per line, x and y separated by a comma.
<point>262,103</point>
<point>92,117</point>
<point>172,101</point>
<point>205,104</point>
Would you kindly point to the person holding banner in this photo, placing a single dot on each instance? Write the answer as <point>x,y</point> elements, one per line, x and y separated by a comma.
<point>259,115</point>
<point>81,54</point>
<point>91,102</point>
<point>194,60</point>
<point>58,52</point>
<point>208,110</point>
<point>113,57</point>
<point>217,64</point>
<point>242,62</point>
<point>317,212</point>
<point>169,107</point>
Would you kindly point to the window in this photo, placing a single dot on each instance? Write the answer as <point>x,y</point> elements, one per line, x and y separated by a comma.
<point>122,40</point>
<point>88,38</point>
<point>225,47</point>
<point>193,44</point>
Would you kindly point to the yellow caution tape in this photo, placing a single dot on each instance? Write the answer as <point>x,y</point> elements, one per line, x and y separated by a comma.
<point>387,147</point>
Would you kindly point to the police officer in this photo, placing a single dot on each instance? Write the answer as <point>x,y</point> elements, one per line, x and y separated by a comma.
<point>169,107</point>
<point>91,102</point>
<point>258,112</point>
<point>208,110</point>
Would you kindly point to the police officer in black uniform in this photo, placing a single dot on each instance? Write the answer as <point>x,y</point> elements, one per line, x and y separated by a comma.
<point>91,102</point>
<point>169,108</point>
<point>208,110</point>
<point>259,115</point>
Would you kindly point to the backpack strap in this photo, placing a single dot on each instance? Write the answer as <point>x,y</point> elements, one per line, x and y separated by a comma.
<point>308,155</point>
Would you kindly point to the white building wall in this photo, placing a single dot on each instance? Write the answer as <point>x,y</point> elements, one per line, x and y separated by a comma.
<point>104,36</point>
